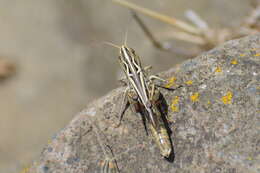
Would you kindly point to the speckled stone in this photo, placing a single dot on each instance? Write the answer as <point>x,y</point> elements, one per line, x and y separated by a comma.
<point>215,121</point>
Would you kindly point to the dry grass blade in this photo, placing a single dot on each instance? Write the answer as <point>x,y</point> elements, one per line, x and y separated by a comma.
<point>198,32</point>
<point>167,19</point>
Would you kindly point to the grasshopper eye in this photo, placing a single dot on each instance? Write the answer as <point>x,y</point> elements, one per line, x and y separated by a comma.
<point>135,97</point>
<point>149,105</point>
<point>132,50</point>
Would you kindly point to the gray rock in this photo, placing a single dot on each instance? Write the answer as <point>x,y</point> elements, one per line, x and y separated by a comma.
<point>215,121</point>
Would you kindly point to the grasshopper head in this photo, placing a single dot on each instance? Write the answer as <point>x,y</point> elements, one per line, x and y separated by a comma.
<point>127,58</point>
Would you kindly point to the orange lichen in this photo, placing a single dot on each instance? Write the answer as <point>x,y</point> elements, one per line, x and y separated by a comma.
<point>242,54</point>
<point>218,70</point>
<point>111,165</point>
<point>227,99</point>
<point>234,62</point>
<point>174,104</point>
<point>189,82</point>
<point>171,82</point>
<point>257,54</point>
<point>195,97</point>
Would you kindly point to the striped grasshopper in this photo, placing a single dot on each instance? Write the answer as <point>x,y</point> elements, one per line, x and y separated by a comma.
<point>109,164</point>
<point>144,95</point>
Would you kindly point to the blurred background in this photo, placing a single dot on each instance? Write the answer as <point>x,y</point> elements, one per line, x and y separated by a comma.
<point>54,53</point>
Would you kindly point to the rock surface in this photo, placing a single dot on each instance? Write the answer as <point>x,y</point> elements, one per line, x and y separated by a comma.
<point>215,121</point>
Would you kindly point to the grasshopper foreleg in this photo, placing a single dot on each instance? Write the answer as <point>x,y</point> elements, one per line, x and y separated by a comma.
<point>153,77</point>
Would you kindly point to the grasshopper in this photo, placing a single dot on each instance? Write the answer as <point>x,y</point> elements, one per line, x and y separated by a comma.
<point>142,93</point>
<point>137,80</point>
<point>109,164</point>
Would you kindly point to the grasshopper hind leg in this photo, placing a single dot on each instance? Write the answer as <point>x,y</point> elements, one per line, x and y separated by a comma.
<point>144,124</point>
<point>137,107</point>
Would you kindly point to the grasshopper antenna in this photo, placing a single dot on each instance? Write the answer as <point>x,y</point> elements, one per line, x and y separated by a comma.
<point>111,44</point>
<point>99,139</point>
<point>126,34</point>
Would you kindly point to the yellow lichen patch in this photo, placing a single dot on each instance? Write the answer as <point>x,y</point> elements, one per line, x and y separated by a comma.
<point>242,54</point>
<point>250,158</point>
<point>174,104</point>
<point>234,62</point>
<point>174,108</point>
<point>171,82</point>
<point>25,170</point>
<point>175,101</point>
<point>209,102</point>
<point>49,142</point>
<point>257,54</point>
<point>195,97</point>
<point>218,70</point>
<point>227,99</point>
<point>189,82</point>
